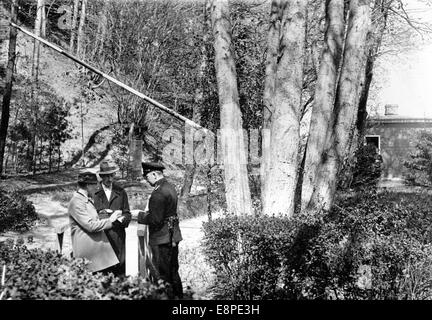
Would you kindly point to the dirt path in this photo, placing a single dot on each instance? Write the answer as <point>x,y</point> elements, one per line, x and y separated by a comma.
<point>194,270</point>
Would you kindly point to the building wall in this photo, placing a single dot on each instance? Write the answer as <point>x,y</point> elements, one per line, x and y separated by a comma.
<point>397,141</point>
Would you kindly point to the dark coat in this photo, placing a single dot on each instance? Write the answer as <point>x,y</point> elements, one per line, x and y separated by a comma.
<point>162,204</point>
<point>118,201</point>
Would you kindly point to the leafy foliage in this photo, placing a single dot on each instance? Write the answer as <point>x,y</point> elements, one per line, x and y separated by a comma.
<point>419,166</point>
<point>366,170</point>
<point>368,247</point>
<point>47,275</point>
<point>16,212</point>
<point>46,125</point>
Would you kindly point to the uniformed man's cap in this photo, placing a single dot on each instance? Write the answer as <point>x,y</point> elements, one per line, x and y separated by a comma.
<point>151,166</point>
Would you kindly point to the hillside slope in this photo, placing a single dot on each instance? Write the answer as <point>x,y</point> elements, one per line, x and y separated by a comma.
<point>69,81</point>
<point>63,76</point>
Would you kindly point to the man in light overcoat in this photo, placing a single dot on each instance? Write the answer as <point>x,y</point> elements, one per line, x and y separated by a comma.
<point>89,240</point>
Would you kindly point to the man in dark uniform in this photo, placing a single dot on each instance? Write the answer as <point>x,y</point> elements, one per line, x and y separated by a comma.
<point>164,230</point>
<point>109,198</point>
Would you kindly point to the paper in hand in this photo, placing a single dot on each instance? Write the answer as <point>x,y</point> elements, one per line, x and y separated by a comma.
<point>135,212</point>
<point>147,205</point>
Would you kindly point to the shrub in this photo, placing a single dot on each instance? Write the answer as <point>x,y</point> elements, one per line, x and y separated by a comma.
<point>16,212</point>
<point>363,171</point>
<point>250,255</point>
<point>367,170</point>
<point>38,274</point>
<point>419,164</point>
<point>370,246</point>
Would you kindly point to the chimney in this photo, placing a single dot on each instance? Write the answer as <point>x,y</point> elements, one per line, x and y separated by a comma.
<point>391,109</point>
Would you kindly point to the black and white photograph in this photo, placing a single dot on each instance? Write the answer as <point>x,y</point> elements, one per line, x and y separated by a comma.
<point>228,151</point>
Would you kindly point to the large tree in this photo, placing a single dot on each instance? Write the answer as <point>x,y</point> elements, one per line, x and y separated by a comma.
<point>233,148</point>
<point>4,124</point>
<point>282,99</point>
<point>343,120</point>
<point>334,113</point>
<point>324,95</point>
<point>4,34</point>
<point>39,29</point>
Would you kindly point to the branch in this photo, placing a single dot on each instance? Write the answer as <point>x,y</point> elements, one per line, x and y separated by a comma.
<point>417,26</point>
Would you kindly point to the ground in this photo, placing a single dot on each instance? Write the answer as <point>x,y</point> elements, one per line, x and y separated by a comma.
<point>50,195</point>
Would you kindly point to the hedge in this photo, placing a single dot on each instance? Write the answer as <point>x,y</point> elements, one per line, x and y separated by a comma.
<point>368,247</point>
<point>48,275</point>
<point>16,212</point>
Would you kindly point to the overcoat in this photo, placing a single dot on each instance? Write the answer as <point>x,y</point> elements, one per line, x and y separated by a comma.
<point>87,232</point>
<point>118,201</point>
<point>162,205</point>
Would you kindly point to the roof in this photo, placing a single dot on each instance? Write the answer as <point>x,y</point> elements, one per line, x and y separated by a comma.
<point>398,119</point>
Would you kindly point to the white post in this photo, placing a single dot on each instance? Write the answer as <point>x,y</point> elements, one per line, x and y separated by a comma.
<point>137,250</point>
<point>131,249</point>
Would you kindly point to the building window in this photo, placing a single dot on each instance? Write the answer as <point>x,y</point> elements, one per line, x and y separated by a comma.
<point>374,140</point>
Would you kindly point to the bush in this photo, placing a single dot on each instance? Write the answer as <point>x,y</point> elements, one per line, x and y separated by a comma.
<point>37,274</point>
<point>368,247</point>
<point>16,212</point>
<point>363,171</point>
<point>419,164</point>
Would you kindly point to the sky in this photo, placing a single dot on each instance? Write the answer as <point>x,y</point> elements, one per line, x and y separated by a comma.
<point>407,78</point>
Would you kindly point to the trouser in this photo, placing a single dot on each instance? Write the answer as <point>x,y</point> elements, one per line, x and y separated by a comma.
<point>165,260</point>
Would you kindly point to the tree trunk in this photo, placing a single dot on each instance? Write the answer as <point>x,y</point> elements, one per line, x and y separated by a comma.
<point>339,141</point>
<point>73,26</point>
<point>91,141</point>
<point>4,123</point>
<point>16,158</point>
<point>43,20</point>
<point>324,96</point>
<point>35,74</point>
<point>4,35</point>
<point>269,84</point>
<point>59,158</point>
<point>40,153</point>
<point>135,156</point>
<point>36,45</point>
<point>80,39</point>
<point>283,91</point>
<point>190,165</point>
<point>98,49</point>
<point>379,19</point>
<point>233,148</point>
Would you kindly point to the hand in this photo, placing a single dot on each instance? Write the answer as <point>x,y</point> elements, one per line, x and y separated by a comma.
<point>135,213</point>
<point>105,211</point>
<point>121,218</point>
<point>115,215</point>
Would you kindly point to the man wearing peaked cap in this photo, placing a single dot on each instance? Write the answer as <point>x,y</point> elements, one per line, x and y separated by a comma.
<point>151,166</point>
<point>164,230</point>
<point>110,197</point>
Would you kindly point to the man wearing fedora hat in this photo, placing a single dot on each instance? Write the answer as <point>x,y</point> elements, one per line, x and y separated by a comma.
<point>112,198</point>
<point>164,230</point>
<point>87,229</point>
